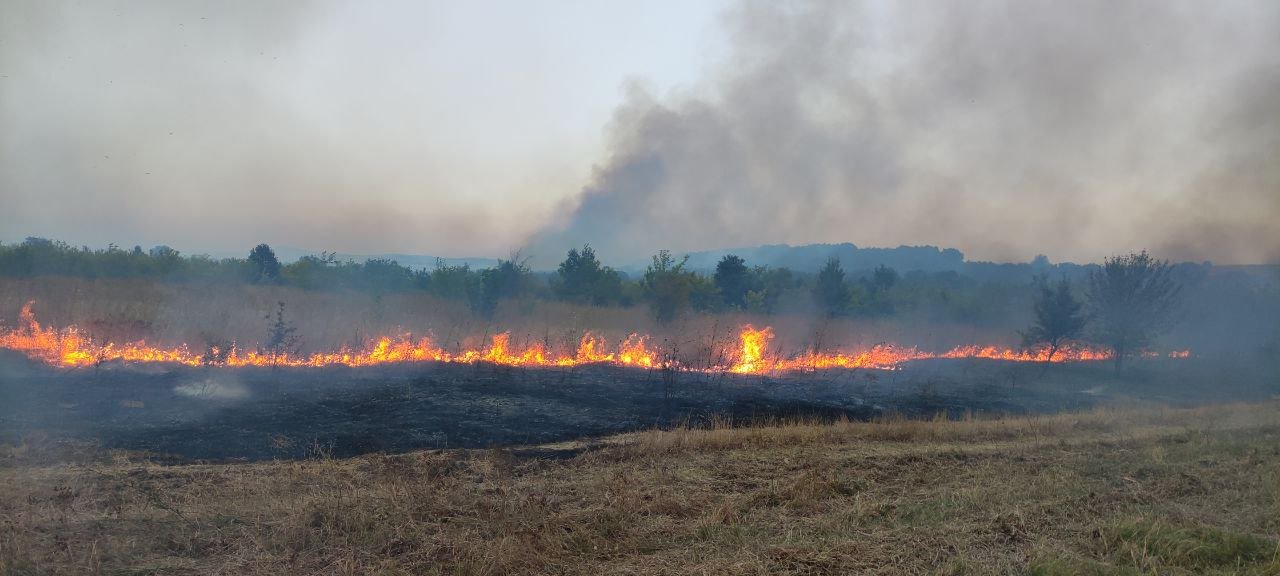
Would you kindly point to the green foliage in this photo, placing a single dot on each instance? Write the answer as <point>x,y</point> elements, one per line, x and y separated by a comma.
<point>457,282</point>
<point>668,288</point>
<point>581,278</point>
<point>734,281</point>
<point>1155,547</point>
<point>1059,317</point>
<point>769,286</point>
<point>874,294</point>
<point>829,289</point>
<point>264,267</point>
<point>509,279</point>
<point>1132,299</point>
<point>41,257</point>
<point>326,272</point>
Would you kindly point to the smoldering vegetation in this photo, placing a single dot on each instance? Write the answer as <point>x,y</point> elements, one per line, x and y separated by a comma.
<point>212,413</point>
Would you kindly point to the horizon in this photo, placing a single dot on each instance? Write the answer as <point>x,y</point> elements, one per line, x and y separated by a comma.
<point>288,254</point>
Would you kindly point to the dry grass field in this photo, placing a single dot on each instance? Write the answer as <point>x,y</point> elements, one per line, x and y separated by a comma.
<point>168,314</point>
<point>1137,490</point>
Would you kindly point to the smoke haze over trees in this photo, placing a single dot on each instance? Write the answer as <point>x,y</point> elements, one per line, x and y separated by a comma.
<point>1220,306</point>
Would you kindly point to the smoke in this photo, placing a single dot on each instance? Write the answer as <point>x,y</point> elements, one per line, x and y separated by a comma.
<point>1004,128</point>
<point>318,124</point>
<point>218,387</point>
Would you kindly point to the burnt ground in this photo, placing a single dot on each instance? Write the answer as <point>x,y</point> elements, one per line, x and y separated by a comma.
<point>259,413</point>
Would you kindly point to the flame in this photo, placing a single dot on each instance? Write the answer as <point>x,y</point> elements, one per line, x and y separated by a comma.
<point>70,347</point>
<point>751,360</point>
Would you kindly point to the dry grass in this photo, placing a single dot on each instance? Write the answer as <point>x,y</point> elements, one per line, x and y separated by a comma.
<point>1138,491</point>
<point>199,314</point>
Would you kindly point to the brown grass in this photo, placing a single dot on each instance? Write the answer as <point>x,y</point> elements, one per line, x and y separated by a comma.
<point>1133,491</point>
<point>199,314</point>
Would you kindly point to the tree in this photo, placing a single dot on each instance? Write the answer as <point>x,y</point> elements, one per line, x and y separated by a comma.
<point>581,278</point>
<point>667,286</point>
<point>458,282</point>
<point>769,284</point>
<point>883,278</point>
<point>263,265</point>
<point>1132,299</point>
<point>1059,317</point>
<point>509,279</point>
<point>829,289</point>
<point>734,280</point>
<point>875,297</point>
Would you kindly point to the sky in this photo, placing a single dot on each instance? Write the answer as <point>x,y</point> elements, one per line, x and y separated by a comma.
<point>1003,128</point>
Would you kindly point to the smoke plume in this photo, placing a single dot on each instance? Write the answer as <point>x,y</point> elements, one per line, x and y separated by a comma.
<point>1003,128</point>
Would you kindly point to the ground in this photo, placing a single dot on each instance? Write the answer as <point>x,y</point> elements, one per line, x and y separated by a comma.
<point>221,414</point>
<point>1106,491</point>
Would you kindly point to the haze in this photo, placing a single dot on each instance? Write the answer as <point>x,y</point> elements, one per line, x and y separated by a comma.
<point>1003,128</point>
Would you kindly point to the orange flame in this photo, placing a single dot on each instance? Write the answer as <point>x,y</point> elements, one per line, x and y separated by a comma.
<point>751,360</point>
<point>69,347</point>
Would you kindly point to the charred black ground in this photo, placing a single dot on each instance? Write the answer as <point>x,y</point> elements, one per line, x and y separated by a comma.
<point>254,414</point>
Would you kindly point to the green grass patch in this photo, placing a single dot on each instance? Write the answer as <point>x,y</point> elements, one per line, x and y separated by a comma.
<point>1161,547</point>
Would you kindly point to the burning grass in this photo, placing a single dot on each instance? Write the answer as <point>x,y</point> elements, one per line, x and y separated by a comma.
<point>182,321</point>
<point>750,354</point>
<point>1112,491</point>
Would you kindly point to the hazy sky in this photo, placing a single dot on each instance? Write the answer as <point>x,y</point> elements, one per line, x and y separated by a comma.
<point>1003,128</point>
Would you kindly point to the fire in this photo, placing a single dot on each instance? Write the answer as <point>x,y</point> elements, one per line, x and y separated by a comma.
<point>751,359</point>
<point>70,347</point>
<point>1073,353</point>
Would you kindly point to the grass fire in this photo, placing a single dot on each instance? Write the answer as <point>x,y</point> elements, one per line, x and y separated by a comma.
<point>723,287</point>
<point>68,347</point>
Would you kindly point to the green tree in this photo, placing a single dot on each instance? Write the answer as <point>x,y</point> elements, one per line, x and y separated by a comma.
<point>263,265</point>
<point>581,278</point>
<point>1132,299</point>
<point>509,279</point>
<point>829,289</point>
<point>667,286</point>
<point>769,286</point>
<point>734,281</point>
<point>1059,317</point>
<point>458,282</point>
<point>875,298</point>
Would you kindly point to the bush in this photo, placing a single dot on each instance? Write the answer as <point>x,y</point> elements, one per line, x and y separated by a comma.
<point>581,278</point>
<point>668,287</point>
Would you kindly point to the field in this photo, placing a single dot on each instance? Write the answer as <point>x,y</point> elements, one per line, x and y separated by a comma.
<point>1107,491</point>
<point>941,466</point>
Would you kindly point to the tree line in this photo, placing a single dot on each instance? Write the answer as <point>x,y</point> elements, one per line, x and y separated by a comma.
<point>1126,302</point>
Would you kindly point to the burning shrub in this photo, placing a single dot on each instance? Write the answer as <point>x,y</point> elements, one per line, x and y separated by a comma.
<point>282,338</point>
